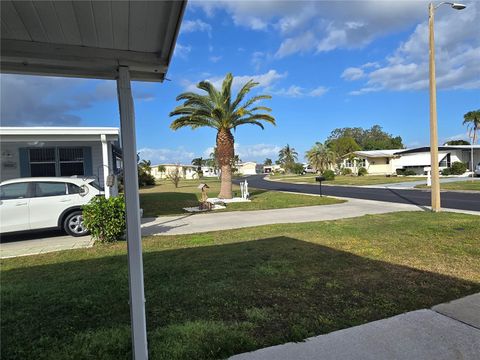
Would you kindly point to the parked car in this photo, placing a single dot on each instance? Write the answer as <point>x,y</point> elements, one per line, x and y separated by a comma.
<point>477,170</point>
<point>45,202</point>
<point>308,169</point>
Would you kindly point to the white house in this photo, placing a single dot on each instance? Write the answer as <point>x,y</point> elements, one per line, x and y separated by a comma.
<point>385,162</point>
<point>59,151</point>
<point>247,168</point>
<point>210,171</point>
<point>188,172</point>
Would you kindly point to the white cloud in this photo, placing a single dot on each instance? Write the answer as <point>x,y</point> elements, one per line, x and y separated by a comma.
<point>215,59</point>
<point>182,51</point>
<point>457,52</point>
<point>189,26</point>
<point>296,91</point>
<point>265,80</point>
<point>320,25</point>
<point>254,152</point>
<point>353,73</point>
<point>53,101</point>
<point>168,156</point>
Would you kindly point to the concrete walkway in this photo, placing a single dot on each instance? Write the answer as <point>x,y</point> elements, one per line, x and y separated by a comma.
<point>445,332</point>
<point>188,224</point>
<point>40,243</point>
<point>411,184</point>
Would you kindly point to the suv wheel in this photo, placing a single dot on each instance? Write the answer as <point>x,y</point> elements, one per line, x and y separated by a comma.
<point>73,224</point>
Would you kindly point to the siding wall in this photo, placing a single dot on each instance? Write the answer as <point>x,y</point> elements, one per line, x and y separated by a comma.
<point>13,149</point>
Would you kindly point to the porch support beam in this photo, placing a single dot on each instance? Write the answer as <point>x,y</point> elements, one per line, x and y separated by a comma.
<point>134,238</point>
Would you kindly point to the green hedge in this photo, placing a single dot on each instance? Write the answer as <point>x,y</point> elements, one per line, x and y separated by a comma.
<point>105,218</point>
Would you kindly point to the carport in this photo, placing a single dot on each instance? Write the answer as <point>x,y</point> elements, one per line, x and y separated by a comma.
<point>114,40</point>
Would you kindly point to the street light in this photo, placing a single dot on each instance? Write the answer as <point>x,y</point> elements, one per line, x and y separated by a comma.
<point>435,188</point>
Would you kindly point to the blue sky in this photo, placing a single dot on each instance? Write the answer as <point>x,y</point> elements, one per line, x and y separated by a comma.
<point>327,64</point>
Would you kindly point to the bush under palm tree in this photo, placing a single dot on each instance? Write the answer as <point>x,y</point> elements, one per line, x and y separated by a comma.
<point>218,110</point>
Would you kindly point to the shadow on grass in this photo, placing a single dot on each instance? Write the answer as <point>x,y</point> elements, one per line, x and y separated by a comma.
<point>208,301</point>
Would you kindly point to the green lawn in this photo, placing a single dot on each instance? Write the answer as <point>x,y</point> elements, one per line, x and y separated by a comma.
<point>348,180</point>
<point>216,294</point>
<point>457,185</point>
<point>165,199</point>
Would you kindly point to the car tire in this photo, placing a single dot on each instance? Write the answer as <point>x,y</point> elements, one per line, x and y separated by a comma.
<point>73,224</point>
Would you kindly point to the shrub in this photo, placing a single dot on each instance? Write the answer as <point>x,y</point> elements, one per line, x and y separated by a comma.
<point>329,175</point>
<point>105,218</point>
<point>346,171</point>
<point>145,178</point>
<point>400,171</point>
<point>362,171</point>
<point>446,172</point>
<point>297,168</point>
<point>458,168</point>
<point>409,172</point>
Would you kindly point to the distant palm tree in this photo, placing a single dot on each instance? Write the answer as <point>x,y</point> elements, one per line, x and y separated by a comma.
<point>198,162</point>
<point>161,168</point>
<point>267,162</point>
<point>321,157</point>
<point>472,120</point>
<point>217,109</point>
<point>287,157</point>
<point>146,166</point>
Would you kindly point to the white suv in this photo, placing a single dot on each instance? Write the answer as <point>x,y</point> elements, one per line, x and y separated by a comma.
<point>45,202</point>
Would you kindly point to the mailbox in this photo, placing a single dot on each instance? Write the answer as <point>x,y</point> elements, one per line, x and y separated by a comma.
<point>319,179</point>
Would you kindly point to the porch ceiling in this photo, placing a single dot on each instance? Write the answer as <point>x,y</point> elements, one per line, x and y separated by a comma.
<point>89,38</point>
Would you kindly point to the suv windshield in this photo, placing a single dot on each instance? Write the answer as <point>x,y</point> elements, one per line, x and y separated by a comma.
<point>96,185</point>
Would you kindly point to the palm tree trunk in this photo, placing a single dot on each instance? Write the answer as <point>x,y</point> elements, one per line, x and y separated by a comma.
<point>225,150</point>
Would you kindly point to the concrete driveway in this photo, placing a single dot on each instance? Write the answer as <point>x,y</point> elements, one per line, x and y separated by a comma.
<point>40,242</point>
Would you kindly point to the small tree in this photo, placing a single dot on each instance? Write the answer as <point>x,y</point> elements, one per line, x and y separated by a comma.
<point>267,162</point>
<point>175,176</point>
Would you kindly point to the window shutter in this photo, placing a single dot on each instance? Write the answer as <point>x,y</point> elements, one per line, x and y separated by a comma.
<point>87,160</point>
<point>24,162</point>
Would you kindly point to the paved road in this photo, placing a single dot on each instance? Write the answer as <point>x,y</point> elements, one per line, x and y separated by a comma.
<point>450,199</point>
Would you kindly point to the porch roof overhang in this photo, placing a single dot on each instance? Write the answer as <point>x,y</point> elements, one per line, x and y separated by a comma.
<point>89,39</point>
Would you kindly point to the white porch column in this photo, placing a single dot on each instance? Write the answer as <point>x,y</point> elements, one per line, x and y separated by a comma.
<point>105,163</point>
<point>134,238</point>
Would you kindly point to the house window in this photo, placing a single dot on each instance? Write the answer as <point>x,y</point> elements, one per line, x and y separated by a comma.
<point>445,162</point>
<point>348,163</point>
<point>71,161</point>
<point>42,162</point>
<point>57,162</point>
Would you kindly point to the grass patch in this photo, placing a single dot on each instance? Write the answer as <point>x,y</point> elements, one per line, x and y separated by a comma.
<point>472,185</point>
<point>348,180</point>
<point>164,199</point>
<point>216,294</point>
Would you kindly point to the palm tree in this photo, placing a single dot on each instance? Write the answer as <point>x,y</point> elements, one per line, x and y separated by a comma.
<point>267,162</point>
<point>321,157</point>
<point>145,166</point>
<point>216,110</point>
<point>161,168</point>
<point>198,162</point>
<point>472,120</point>
<point>287,157</point>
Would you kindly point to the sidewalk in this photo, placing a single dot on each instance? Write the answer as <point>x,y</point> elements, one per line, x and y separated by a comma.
<point>411,184</point>
<point>189,224</point>
<point>447,331</point>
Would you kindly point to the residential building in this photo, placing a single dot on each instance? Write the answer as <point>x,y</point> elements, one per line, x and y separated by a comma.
<point>386,162</point>
<point>247,168</point>
<point>61,151</point>
<point>188,172</point>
